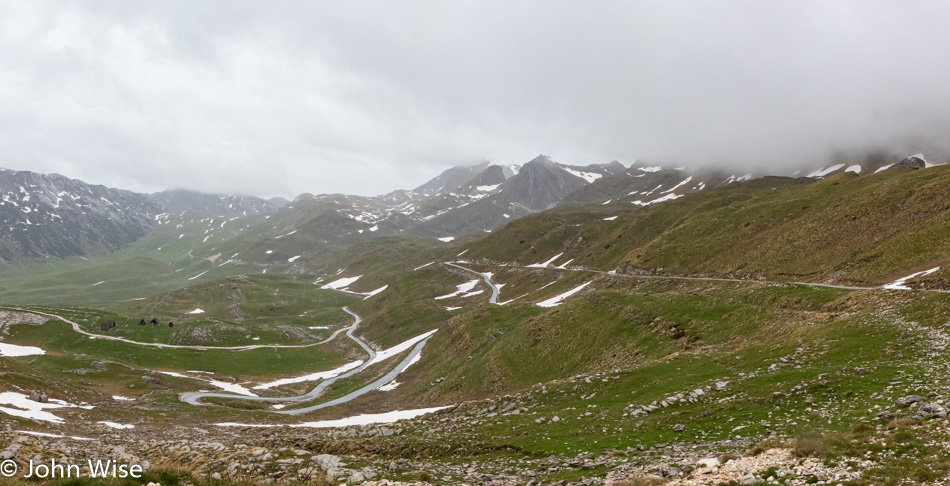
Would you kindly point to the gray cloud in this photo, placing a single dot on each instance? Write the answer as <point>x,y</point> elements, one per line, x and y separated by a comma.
<point>364,97</point>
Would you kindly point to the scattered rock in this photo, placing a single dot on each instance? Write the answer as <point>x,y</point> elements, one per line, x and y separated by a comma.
<point>904,402</point>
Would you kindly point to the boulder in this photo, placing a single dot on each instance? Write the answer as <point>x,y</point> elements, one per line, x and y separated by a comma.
<point>327,461</point>
<point>904,402</point>
<point>912,162</point>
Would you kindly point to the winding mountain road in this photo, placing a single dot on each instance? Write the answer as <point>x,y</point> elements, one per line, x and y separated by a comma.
<point>76,327</point>
<point>495,290</point>
<point>193,398</point>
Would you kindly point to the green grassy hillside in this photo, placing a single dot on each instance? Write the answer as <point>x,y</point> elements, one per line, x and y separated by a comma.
<point>847,229</point>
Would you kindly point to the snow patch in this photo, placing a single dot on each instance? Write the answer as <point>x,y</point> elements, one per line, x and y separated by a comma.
<point>400,348</point>
<point>460,289</point>
<point>545,264</point>
<point>389,386</point>
<point>685,181</point>
<point>422,266</point>
<point>587,176</point>
<point>341,283</point>
<point>233,388</point>
<point>825,171</point>
<point>21,406</point>
<point>198,310</point>
<point>899,283</point>
<point>374,292</point>
<point>879,169</point>
<point>446,239</point>
<point>10,350</point>
<point>363,419</point>
<point>556,301</point>
<point>668,197</point>
<point>114,425</point>
<point>321,375</point>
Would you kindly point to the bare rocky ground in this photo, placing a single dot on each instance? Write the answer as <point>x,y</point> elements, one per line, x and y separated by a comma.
<point>371,454</point>
<point>421,450</point>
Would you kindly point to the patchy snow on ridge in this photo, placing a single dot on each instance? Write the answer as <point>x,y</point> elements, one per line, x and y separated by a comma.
<point>899,283</point>
<point>685,181</point>
<point>320,375</point>
<point>10,350</point>
<point>587,176</point>
<point>854,168</point>
<point>291,259</point>
<point>460,289</point>
<point>487,188</point>
<point>341,283</point>
<point>668,197</point>
<point>654,168</point>
<point>556,301</point>
<point>825,171</point>
<point>545,264</point>
<point>609,219</point>
<point>882,168</point>
<point>374,292</point>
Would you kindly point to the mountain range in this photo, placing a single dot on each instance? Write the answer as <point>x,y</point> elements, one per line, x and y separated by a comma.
<point>51,216</point>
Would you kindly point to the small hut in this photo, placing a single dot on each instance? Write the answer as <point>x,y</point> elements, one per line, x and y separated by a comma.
<point>106,325</point>
<point>171,324</point>
<point>142,322</point>
<point>154,321</point>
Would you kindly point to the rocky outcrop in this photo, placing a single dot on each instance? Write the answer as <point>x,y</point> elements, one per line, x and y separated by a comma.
<point>912,162</point>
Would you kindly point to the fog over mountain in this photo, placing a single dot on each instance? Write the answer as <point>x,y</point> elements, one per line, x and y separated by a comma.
<point>363,98</point>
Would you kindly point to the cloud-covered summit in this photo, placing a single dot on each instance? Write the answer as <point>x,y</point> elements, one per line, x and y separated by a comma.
<point>290,97</point>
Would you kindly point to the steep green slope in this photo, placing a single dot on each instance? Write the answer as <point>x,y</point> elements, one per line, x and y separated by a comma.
<point>858,230</point>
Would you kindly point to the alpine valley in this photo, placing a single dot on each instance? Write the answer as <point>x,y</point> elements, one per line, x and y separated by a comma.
<point>535,324</point>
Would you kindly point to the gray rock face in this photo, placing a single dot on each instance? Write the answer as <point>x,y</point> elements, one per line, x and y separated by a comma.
<point>912,162</point>
<point>54,216</point>
<point>541,184</point>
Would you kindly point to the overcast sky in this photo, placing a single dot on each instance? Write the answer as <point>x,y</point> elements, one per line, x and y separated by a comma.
<point>280,98</point>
